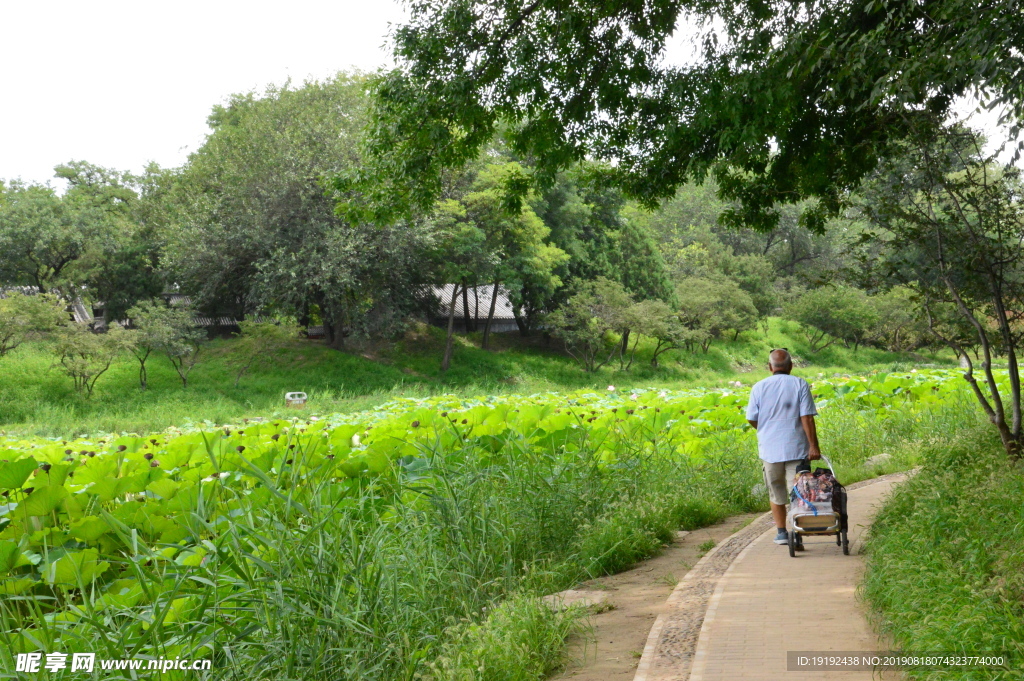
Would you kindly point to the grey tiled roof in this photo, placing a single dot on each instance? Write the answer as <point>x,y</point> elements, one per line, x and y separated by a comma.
<point>478,296</point>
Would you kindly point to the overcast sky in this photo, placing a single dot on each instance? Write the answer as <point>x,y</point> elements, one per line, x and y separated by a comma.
<point>121,83</point>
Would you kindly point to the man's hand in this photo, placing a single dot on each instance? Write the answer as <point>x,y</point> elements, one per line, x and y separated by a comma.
<point>813,450</point>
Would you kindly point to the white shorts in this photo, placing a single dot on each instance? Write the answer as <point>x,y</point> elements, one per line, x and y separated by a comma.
<point>778,478</point>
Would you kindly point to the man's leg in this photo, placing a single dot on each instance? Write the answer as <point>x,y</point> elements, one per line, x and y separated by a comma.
<point>778,515</point>
<point>775,481</point>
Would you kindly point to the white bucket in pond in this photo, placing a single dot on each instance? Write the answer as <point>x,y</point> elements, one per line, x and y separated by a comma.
<point>296,400</point>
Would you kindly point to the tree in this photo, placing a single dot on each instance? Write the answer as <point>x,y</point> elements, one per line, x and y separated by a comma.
<point>899,325</point>
<point>655,319</point>
<point>39,239</point>
<point>459,254</point>
<point>169,330</point>
<point>156,325</point>
<point>584,222</point>
<point>585,322</point>
<point>258,231</point>
<point>709,308</point>
<point>84,356</point>
<point>24,316</point>
<point>88,237</point>
<point>182,344</point>
<point>833,313</point>
<point>182,349</point>
<point>639,265</point>
<point>786,100</point>
<point>258,340</point>
<point>695,243</point>
<point>483,240</point>
<point>514,240</point>
<point>952,223</point>
<point>127,267</point>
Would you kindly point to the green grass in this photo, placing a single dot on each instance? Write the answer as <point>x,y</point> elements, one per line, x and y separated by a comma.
<point>35,399</point>
<point>433,576</point>
<point>946,557</point>
<point>704,547</point>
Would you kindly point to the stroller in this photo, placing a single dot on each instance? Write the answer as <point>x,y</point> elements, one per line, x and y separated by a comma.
<point>817,507</point>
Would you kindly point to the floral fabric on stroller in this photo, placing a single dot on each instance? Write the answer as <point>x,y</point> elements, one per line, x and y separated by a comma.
<point>817,507</point>
<point>812,489</point>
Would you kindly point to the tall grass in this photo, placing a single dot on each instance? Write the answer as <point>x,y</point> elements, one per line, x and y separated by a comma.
<point>946,558</point>
<point>850,436</point>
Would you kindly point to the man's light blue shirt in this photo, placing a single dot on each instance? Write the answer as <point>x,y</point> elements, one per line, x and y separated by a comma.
<point>777,403</point>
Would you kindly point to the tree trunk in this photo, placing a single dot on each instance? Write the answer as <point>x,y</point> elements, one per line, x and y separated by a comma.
<point>623,348</point>
<point>476,308</point>
<point>490,314</point>
<point>446,359</point>
<point>524,329</point>
<point>658,350</point>
<point>632,353</point>
<point>143,377</point>
<point>337,337</point>
<point>179,366</point>
<point>465,308</point>
<point>334,332</point>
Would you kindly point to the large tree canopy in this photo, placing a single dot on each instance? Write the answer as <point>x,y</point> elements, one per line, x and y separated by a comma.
<point>785,100</point>
<point>259,232</point>
<point>100,234</point>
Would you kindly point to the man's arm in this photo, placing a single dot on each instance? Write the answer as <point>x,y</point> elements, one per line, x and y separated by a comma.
<point>814,452</point>
<point>753,408</point>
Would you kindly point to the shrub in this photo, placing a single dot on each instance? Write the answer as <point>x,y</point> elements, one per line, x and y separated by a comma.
<point>832,313</point>
<point>24,316</point>
<point>710,308</point>
<point>84,356</point>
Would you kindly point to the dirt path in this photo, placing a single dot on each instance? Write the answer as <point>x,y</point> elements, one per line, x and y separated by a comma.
<point>630,602</point>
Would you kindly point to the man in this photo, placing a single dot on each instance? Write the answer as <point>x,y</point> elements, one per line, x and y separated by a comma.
<point>782,411</point>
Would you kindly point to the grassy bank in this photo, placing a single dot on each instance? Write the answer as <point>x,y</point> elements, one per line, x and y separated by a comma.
<point>946,557</point>
<point>35,399</point>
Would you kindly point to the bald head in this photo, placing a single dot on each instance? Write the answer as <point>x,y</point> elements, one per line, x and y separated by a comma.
<point>780,360</point>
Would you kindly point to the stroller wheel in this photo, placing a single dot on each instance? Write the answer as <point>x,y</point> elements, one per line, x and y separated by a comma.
<point>846,544</point>
<point>839,540</point>
<point>791,536</point>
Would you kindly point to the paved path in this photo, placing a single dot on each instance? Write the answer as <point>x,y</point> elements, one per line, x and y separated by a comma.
<point>767,603</point>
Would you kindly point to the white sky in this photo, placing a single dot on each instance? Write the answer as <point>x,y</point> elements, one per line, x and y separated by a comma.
<point>120,83</point>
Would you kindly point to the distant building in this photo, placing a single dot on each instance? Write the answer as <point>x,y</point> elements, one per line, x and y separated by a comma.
<point>479,299</point>
<point>77,312</point>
